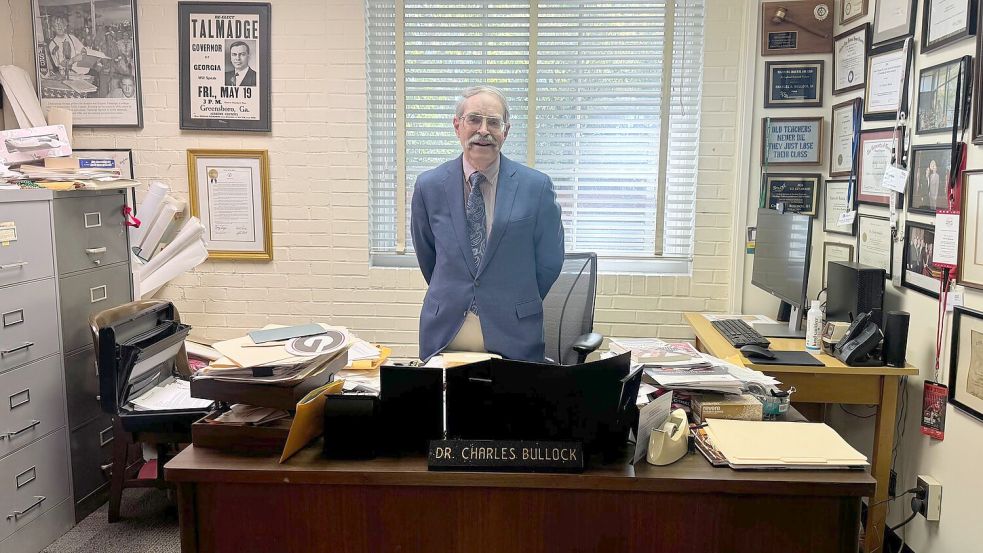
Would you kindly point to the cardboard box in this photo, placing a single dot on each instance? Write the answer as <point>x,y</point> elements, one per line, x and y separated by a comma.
<point>736,407</point>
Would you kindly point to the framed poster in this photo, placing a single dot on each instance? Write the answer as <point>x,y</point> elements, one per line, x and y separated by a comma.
<point>842,126</point>
<point>919,273</point>
<point>947,21</point>
<point>834,251</point>
<point>797,191</point>
<point>875,243</point>
<point>792,140</point>
<point>876,152</point>
<point>225,66</point>
<point>794,84</point>
<point>928,181</point>
<point>87,60</point>
<point>850,59</point>
<point>852,10</point>
<point>893,20</point>
<point>966,362</point>
<point>835,200</point>
<point>229,191</point>
<point>970,271</point>
<point>937,91</point>
<point>886,83</point>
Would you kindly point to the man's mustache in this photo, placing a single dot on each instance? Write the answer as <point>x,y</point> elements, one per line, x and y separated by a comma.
<point>478,137</point>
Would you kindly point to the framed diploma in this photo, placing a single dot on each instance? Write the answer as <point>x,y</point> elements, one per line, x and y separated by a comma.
<point>841,134</point>
<point>229,191</point>
<point>893,20</point>
<point>225,66</point>
<point>794,84</point>
<point>919,273</point>
<point>947,21</point>
<point>852,10</point>
<point>792,140</point>
<point>971,231</point>
<point>886,82</point>
<point>836,204</point>
<point>798,192</point>
<point>834,251</point>
<point>875,243</point>
<point>937,91</point>
<point>928,182</point>
<point>875,153</point>
<point>850,59</point>
<point>966,362</point>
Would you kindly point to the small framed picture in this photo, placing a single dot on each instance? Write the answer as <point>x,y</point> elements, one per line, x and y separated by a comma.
<point>919,273</point>
<point>837,202</point>
<point>850,59</point>
<point>894,20</point>
<point>947,21</point>
<point>886,84</point>
<point>851,10</point>
<point>229,191</point>
<point>794,84</point>
<point>875,243</point>
<point>928,189</point>
<point>835,251</point>
<point>966,362</point>
<point>971,231</point>
<point>792,140</point>
<point>797,192</point>
<point>937,93</point>
<point>843,125</point>
<point>876,152</point>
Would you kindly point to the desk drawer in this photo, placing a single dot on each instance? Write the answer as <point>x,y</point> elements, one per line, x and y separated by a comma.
<point>89,232</point>
<point>84,294</point>
<point>92,448</point>
<point>27,323</point>
<point>33,481</point>
<point>82,387</point>
<point>30,403</point>
<point>29,256</point>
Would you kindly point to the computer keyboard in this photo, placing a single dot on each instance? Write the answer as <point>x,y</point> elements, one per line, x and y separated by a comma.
<point>739,333</point>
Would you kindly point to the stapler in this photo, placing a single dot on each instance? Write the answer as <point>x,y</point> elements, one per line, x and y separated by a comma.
<point>669,443</point>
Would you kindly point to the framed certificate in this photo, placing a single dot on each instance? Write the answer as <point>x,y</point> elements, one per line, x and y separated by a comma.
<point>836,203</point>
<point>893,20</point>
<point>229,191</point>
<point>875,243</point>
<point>937,91</point>
<point>792,140</point>
<point>794,84</point>
<point>834,251</point>
<point>798,192</point>
<point>850,59</point>
<point>852,10</point>
<point>842,127</point>
<point>876,152</point>
<point>947,21</point>
<point>886,85</point>
<point>971,231</point>
<point>928,189</point>
<point>966,362</point>
<point>919,273</point>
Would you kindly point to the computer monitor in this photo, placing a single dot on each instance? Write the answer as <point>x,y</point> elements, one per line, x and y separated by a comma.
<point>781,264</point>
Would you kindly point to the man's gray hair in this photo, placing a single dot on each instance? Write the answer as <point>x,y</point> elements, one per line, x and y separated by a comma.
<point>487,89</point>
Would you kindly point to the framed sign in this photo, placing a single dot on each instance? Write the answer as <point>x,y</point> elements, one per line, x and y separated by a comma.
<point>797,192</point>
<point>850,59</point>
<point>928,181</point>
<point>971,231</point>
<point>803,27</point>
<point>937,90</point>
<point>229,191</point>
<point>842,128</point>
<point>875,243</point>
<point>852,10</point>
<point>792,140</point>
<point>225,66</point>
<point>834,251</point>
<point>876,152</point>
<point>88,62</point>
<point>893,20</point>
<point>794,84</point>
<point>886,83</point>
<point>836,204</point>
<point>919,273</point>
<point>966,362</point>
<point>947,21</point>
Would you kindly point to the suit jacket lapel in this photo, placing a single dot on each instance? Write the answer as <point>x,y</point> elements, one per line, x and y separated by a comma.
<point>454,193</point>
<point>504,199</point>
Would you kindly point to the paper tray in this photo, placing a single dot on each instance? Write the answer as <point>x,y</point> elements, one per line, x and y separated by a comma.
<point>265,395</point>
<point>267,439</point>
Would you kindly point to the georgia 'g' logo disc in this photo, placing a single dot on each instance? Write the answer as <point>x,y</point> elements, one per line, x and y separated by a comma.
<point>309,346</point>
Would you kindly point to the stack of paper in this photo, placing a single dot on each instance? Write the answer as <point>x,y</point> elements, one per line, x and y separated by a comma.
<point>716,379</point>
<point>652,352</point>
<point>242,415</point>
<point>781,445</point>
<point>174,395</point>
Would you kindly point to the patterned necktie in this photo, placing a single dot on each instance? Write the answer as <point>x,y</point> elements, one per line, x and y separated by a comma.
<point>476,223</point>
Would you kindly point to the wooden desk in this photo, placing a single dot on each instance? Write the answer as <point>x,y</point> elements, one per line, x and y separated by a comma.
<point>834,383</point>
<point>238,504</point>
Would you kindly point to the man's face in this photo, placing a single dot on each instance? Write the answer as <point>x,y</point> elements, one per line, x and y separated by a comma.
<point>60,26</point>
<point>240,57</point>
<point>481,129</point>
<point>127,86</point>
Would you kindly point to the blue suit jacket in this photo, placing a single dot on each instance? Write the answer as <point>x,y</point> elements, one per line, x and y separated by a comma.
<point>522,259</point>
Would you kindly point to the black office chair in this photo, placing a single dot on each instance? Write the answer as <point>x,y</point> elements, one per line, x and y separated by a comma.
<point>568,311</point>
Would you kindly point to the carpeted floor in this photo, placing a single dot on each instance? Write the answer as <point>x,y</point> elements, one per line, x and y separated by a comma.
<point>149,525</point>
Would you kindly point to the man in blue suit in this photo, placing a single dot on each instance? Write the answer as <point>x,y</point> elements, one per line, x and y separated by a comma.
<point>488,239</point>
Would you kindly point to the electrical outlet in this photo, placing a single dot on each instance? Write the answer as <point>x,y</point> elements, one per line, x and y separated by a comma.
<point>932,492</point>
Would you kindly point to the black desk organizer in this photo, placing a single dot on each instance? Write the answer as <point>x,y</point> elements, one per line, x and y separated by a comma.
<point>137,353</point>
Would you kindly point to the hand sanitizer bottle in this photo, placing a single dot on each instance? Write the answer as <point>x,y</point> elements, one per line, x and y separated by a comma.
<point>814,327</point>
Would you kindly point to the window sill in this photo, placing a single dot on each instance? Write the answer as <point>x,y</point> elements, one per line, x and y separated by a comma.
<point>649,266</point>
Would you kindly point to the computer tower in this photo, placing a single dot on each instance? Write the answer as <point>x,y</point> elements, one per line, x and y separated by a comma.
<point>851,289</point>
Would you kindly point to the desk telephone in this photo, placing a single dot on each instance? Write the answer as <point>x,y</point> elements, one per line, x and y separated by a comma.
<point>861,340</point>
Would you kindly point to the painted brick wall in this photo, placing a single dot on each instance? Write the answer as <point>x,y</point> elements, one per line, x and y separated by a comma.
<point>320,188</point>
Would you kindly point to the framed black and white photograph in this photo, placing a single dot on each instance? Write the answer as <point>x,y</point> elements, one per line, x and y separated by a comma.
<point>844,126</point>
<point>851,10</point>
<point>225,66</point>
<point>919,273</point>
<point>929,178</point>
<point>797,192</point>
<point>875,243</point>
<point>894,20</point>
<point>970,271</point>
<point>938,88</point>
<point>836,202</point>
<point>792,140</point>
<point>876,151</point>
<point>850,59</point>
<point>947,21</point>
<point>87,60</point>
<point>886,84</point>
<point>794,84</point>
<point>835,251</point>
<point>966,362</point>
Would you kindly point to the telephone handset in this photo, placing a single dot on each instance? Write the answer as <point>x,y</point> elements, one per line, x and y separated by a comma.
<point>859,343</point>
<point>854,329</point>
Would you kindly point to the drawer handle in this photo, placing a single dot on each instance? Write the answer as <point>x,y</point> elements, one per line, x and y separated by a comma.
<point>25,345</point>
<point>98,293</point>
<point>102,436</point>
<point>93,219</point>
<point>38,500</point>
<point>8,435</point>
<point>11,318</point>
<point>27,398</point>
<point>31,473</point>
<point>10,266</point>
<point>94,251</point>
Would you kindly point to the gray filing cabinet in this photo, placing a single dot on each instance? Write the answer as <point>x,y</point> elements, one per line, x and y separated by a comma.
<point>63,256</point>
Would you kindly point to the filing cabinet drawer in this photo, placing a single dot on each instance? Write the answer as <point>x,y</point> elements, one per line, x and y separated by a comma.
<point>86,293</point>
<point>33,481</point>
<point>30,403</point>
<point>27,314</point>
<point>27,257</point>
<point>82,387</point>
<point>92,448</point>
<point>89,232</point>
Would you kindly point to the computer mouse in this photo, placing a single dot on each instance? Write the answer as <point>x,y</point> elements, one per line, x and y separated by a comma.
<point>751,351</point>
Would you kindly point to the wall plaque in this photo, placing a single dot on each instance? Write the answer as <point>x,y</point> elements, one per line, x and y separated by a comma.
<point>797,193</point>
<point>804,27</point>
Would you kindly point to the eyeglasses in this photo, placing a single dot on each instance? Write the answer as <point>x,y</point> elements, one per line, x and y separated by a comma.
<point>494,122</point>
